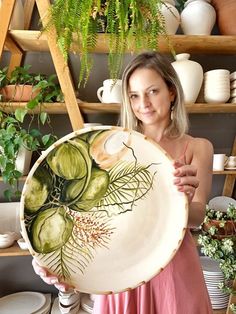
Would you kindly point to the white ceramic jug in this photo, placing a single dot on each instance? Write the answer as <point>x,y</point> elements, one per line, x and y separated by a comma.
<point>110,92</point>
<point>190,74</point>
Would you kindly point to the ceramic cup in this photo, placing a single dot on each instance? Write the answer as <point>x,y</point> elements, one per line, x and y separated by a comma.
<point>110,92</point>
<point>230,162</point>
<point>219,162</point>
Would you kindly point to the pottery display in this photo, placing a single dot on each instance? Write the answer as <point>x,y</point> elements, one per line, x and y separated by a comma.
<point>110,92</point>
<point>226,13</point>
<point>198,18</point>
<point>190,74</point>
<point>91,192</point>
<point>171,16</point>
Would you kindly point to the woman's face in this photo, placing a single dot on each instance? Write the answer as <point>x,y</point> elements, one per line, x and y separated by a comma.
<point>150,97</point>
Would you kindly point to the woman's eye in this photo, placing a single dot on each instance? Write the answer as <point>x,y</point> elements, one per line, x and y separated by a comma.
<point>153,91</point>
<point>133,96</point>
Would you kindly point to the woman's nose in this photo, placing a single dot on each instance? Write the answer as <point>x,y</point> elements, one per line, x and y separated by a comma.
<point>144,101</point>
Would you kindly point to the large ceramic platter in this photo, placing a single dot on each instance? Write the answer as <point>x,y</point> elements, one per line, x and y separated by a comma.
<point>100,210</point>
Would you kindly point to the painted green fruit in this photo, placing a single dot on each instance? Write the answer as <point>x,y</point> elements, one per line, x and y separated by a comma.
<point>95,191</point>
<point>72,189</point>
<point>37,190</point>
<point>50,230</point>
<point>70,160</point>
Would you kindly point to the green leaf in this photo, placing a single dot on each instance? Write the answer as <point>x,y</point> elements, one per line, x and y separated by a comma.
<point>43,117</point>
<point>129,182</point>
<point>8,194</point>
<point>33,103</point>
<point>20,114</point>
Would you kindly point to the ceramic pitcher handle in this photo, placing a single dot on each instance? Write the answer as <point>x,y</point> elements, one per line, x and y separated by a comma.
<point>99,91</point>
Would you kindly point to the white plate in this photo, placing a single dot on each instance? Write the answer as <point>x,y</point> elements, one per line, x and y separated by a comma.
<point>86,302</point>
<point>230,168</point>
<point>209,265</point>
<point>102,247</point>
<point>26,302</point>
<point>221,202</point>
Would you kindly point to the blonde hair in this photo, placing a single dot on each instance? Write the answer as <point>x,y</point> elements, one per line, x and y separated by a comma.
<point>152,60</point>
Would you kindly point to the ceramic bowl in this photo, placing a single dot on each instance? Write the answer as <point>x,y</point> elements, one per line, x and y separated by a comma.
<point>22,244</point>
<point>7,239</point>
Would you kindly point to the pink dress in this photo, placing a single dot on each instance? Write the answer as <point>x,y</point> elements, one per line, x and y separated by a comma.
<point>179,289</point>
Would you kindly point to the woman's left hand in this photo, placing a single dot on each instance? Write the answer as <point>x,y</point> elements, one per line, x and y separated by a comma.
<point>186,179</point>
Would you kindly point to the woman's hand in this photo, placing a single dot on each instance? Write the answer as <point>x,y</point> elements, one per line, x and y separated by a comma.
<point>186,179</point>
<point>48,278</point>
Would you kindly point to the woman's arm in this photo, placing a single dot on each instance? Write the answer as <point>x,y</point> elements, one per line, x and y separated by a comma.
<point>195,178</point>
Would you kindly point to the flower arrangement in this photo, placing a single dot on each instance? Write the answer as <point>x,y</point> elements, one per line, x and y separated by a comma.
<point>218,241</point>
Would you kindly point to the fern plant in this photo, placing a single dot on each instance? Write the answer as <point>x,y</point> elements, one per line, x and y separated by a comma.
<point>131,24</point>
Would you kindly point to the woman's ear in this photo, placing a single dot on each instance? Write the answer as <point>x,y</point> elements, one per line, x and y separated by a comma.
<point>172,93</point>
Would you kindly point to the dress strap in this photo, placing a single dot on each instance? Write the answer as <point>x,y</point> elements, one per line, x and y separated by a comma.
<point>182,156</point>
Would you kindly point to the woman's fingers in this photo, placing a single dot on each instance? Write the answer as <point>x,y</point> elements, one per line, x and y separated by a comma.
<point>48,278</point>
<point>186,179</point>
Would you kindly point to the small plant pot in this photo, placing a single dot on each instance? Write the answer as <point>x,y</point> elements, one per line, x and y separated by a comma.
<point>21,93</point>
<point>227,231</point>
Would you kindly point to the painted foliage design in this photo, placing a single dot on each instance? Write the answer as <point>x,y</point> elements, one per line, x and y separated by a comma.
<point>75,193</point>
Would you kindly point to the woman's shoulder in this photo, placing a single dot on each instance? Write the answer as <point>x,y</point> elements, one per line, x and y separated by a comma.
<point>200,144</point>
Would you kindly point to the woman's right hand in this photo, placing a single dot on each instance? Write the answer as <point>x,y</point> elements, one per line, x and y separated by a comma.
<point>49,278</point>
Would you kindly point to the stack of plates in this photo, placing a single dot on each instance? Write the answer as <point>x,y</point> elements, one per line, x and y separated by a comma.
<point>213,275</point>
<point>26,302</point>
<point>87,303</point>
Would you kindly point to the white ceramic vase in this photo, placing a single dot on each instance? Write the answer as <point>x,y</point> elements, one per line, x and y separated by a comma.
<point>171,16</point>
<point>190,74</point>
<point>23,160</point>
<point>17,18</point>
<point>198,17</point>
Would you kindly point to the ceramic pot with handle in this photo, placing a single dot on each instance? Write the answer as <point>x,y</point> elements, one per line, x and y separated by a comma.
<point>110,92</point>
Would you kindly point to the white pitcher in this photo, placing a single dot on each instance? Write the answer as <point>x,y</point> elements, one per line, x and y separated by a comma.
<point>110,92</point>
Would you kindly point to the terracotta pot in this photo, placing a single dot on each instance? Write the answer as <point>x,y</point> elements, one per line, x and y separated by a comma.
<point>225,14</point>
<point>228,230</point>
<point>18,92</point>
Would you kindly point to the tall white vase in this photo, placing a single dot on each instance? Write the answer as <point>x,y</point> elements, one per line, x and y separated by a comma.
<point>171,16</point>
<point>190,74</point>
<point>198,17</point>
<point>17,18</point>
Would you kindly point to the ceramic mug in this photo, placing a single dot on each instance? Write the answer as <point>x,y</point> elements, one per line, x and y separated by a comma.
<point>110,92</point>
<point>230,162</point>
<point>219,162</point>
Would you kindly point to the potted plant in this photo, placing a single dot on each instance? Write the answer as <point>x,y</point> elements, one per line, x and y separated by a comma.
<point>16,137</point>
<point>135,25</point>
<point>218,241</point>
<point>13,137</point>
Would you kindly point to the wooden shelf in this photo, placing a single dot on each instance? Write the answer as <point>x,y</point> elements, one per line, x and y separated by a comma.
<point>14,250</point>
<point>217,44</point>
<point>85,107</point>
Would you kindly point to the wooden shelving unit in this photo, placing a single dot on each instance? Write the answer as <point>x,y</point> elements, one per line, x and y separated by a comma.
<point>14,250</point>
<point>90,108</point>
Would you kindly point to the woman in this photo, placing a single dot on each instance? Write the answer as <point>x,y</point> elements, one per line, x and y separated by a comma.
<point>153,105</point>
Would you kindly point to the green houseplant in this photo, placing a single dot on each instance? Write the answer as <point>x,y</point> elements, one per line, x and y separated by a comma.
<point>131,24</point>
<point>15,131</point>
<point>218,241</point>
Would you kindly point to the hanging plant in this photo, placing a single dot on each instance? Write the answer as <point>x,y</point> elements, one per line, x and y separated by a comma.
<point>131,24</point>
